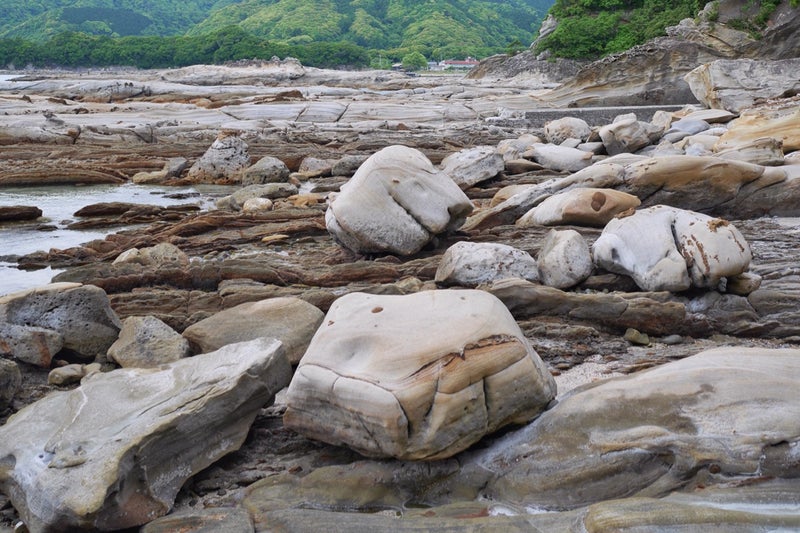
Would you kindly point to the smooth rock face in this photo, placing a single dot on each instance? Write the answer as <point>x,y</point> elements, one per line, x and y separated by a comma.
<point>60,316</point>
<point>736,84</point>
<point>778,121</point>
<point>147,342</point>
<point>290,320</point>
<point>727,411</point>
<point>265,170</point>
<point>561,158</point>
<point>766,151</point>
<point>223,161</point>
<point>469,264</point>
<point>421,376</point>
<point>114,452</point>
<point>665,248</point>
<point>564,260</point>
<point>473,165</point>
<point>396,202</point>
<point>585,206</point>
<point>696,181</point>
<point>10,380</point>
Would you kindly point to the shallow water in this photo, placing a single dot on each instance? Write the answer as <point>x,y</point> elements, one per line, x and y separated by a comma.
<point>58,204</point>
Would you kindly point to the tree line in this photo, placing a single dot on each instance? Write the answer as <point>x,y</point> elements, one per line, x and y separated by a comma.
<point>76,49</point>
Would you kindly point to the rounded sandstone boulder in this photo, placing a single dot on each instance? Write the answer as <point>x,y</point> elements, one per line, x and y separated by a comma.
<point>396,202</point>
<point>290,320</point>
<point>471,263</point>
<point>559,130</point>
<point>147,342</point>
<point>564,260</point>
<point>421,376</point>
<point>266,170</point>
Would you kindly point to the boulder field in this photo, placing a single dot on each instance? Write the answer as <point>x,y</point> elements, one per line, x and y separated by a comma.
<point>437,316</point>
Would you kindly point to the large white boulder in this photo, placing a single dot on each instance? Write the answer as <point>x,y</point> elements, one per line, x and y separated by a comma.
<point>471,263</point>
<point>113,453</point>
<point>421,376</point>
<point>666,248</point>
<point>396,202</point>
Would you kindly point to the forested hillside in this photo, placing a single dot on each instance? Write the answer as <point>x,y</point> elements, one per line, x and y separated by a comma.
<point>39,20</point>
<point>436,28</point>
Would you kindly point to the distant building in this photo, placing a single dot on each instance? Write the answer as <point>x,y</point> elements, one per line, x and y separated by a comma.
<point>459,64</point>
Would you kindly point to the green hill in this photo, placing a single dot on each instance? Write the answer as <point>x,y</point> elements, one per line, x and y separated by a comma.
<point>437,28</point>
<point>39,20</point>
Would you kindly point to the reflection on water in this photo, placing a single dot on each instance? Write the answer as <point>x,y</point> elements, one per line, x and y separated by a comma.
<point>58,203</point>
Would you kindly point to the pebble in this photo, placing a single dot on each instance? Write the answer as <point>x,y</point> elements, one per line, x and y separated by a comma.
<point>672,340</point>
<point>634,336</point>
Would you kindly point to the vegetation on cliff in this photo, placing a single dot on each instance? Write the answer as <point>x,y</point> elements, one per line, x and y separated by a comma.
<point>589,29</point>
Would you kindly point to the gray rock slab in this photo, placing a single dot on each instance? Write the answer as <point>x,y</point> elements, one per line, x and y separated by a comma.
<point>114,452</point>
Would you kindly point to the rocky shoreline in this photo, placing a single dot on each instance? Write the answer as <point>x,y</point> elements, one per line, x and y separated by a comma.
<point>717,324</point>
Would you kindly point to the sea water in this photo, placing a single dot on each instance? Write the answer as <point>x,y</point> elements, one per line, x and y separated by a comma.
<point>58,205</point>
